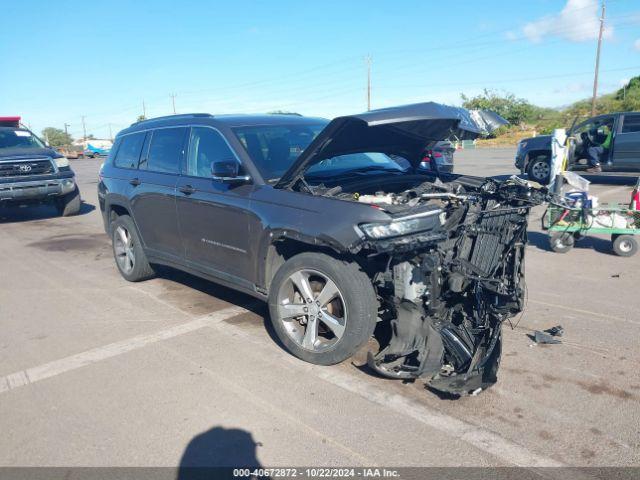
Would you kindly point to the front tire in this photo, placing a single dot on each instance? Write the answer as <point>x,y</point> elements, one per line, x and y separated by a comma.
<point>561,242</point>
<point>322,309</point>
<point>69,204</point>
<point>128,252</point>
<point>539,169</point>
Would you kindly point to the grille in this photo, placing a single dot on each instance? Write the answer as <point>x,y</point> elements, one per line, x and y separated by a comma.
<point>25,168</point>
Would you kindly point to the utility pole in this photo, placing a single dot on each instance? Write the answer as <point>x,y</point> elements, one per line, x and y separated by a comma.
<point>84,130</point>
<point>595,76</point>
<point>66,126</point>
<point>144,109</point>
<point>173,101</point>
<point>368,60</point>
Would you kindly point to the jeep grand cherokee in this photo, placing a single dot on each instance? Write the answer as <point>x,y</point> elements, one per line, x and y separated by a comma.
<point>336,226</point>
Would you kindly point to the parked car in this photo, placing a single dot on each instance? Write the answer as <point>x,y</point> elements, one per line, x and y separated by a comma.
<point>71,152</point>
<point>33,173</point>
<point>439,158</point>
<point>318,219</point>
<point>534,154</point>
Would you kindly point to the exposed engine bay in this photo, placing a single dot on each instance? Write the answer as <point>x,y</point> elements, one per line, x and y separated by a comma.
<point>445,290</point>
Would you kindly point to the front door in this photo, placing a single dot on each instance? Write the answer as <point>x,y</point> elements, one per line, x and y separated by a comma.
<point>626,146</point>
<point>213,216</point>
<point>154,203</point>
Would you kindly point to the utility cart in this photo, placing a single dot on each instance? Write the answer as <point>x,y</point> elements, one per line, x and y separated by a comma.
<point>567,224</point>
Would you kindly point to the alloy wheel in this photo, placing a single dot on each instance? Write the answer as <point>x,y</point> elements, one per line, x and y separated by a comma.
<point>312,310</point>
<point>123,248</point>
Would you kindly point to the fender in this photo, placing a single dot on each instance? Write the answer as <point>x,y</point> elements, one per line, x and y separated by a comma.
<point>271,236</point>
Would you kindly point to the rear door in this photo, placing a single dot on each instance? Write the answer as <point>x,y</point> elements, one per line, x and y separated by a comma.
<point>154,202</point>
<point>626,146</point>
<point>214,216</point>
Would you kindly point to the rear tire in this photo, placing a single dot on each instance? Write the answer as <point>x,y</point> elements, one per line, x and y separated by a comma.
<point>70,203</point>
<point>336,316</point>
<point>128,252</point>
<point>625,245</point>
<point>539,169</point>
<point>561,242</point>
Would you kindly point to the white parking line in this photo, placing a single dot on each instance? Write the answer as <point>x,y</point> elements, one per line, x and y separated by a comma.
<point>483,439</point>
<point>67,364</point>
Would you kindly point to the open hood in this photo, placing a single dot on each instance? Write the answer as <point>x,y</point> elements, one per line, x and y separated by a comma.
<point>405,130</point>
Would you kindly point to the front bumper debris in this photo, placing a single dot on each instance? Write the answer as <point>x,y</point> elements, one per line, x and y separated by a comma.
<point>444,300</point>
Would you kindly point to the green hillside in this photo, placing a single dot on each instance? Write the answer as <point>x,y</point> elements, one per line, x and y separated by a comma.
<point>525,117</point>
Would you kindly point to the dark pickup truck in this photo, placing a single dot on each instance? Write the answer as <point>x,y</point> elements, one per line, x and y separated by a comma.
<point>32,173</point>
<point>534,154</point>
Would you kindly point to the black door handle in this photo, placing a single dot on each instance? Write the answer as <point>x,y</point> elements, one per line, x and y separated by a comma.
<point>135,182</point>
<point>187,189</point>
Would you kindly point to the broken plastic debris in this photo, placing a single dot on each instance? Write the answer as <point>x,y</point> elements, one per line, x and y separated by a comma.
<point>541,337</point>
<point>556,331</point>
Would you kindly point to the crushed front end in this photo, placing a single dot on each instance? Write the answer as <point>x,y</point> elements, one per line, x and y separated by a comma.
<point>446,291</point>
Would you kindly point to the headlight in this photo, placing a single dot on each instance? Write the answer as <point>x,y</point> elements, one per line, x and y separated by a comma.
<point>403,226</point>
<point>62,162</point>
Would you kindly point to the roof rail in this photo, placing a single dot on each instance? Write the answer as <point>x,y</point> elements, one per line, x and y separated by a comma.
<point>178,116</point>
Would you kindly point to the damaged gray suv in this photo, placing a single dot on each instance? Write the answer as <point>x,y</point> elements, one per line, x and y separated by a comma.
<point>337,227</point>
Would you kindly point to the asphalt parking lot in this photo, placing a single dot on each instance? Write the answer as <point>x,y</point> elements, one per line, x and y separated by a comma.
<point>95,371</point>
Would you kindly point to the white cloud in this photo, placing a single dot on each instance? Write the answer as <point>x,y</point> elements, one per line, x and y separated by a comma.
<point>636,45</point>
<point>579,21</point>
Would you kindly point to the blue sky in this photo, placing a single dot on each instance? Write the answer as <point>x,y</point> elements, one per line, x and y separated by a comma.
<point>61,59</point>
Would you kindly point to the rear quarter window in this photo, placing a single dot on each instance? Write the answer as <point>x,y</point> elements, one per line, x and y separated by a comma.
<point>128,153</point>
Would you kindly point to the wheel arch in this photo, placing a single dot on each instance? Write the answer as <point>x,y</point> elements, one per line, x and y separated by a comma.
<point>281,245</point>
<point>114,208</point>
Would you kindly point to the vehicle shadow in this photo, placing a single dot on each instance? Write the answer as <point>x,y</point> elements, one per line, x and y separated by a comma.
<point>217,452</point>
<point>540,240</point>
<point>40,212</point>
<point>213,289</point>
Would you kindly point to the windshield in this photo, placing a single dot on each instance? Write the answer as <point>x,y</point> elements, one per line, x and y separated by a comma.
<point>18,138</point>
<point>356,162</point>
<point>274,148</point>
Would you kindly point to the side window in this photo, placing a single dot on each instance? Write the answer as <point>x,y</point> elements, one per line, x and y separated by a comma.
<point>631,124</point>
<point>165,150</point>
<point>128,153</point>
<point>205,147</point>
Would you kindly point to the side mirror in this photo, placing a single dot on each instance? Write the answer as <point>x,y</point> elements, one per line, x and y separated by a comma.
<point>228,171</point>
